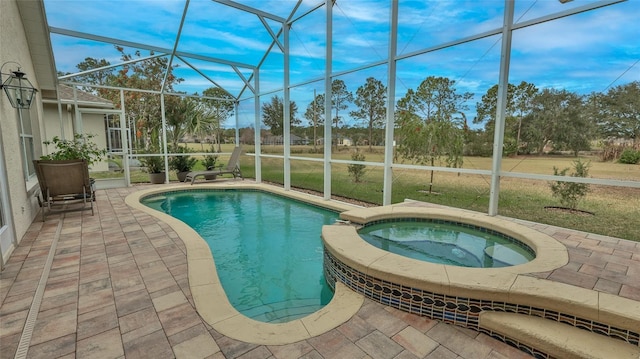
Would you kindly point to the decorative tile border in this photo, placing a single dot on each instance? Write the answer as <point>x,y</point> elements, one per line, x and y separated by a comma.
<point>460,311</point>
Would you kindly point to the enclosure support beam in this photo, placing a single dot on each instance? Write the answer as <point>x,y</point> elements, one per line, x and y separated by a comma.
<point>256,125</point>
<point>62,136</point>
<point>286,121</point>
<point>77,123</point>
<point>164,139</point>
<point>129,138</point>
<point>126,141</point>
<point>137,45</point>
<point>503,87</point>
<point>237,118</point>
<point>163,85</point>
<point>391,95</point>
<point>327,100</point>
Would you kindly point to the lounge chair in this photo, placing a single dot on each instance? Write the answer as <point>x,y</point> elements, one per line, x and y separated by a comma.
<point>233,167</point>
<point>64,183</point>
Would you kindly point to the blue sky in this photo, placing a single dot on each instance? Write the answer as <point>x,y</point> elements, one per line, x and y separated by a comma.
<point>587,52</point>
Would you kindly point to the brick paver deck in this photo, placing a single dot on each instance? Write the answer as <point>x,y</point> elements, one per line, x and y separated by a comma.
<point>118,288</point>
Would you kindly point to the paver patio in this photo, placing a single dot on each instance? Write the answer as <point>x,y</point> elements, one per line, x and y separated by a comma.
<point>118,287</point>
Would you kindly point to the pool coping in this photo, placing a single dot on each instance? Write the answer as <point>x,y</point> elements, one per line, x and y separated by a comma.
<point>512,284</point>
<point>210,298</point>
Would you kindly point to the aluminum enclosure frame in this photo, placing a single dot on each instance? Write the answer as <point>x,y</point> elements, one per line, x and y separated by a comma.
<point>252,89</point>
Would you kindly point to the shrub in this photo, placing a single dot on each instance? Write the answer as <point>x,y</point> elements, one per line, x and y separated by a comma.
<point>210,161</point>
<point>81,147</point>
<point>570,193</point>
<point>182,163</point>
<point>630,157</point>
<point>153,164</point>
<point>357,170</point>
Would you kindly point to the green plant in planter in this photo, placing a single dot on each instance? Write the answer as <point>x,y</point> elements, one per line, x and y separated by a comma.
<point>210,161</point>
<point>182,163</point>
<point>81,147</point>
<point>153,164</point>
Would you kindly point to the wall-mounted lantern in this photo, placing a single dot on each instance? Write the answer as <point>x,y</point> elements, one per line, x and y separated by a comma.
<point>18,88</point>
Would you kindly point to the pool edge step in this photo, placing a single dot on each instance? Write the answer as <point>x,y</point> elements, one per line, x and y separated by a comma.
<point>556,339</point>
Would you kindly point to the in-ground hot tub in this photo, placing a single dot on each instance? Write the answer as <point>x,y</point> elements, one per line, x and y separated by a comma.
<point>429,288</point>
<point>459,295</point>
<point>446,242</point>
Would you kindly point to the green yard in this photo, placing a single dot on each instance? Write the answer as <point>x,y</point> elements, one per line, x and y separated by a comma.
<point>616,210</point>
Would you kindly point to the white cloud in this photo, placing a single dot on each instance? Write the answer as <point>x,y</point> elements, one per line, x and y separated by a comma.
<point>583,52</point>
<point>373,12</point>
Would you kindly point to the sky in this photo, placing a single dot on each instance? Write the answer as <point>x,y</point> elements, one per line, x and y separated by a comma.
<point>588,52</point>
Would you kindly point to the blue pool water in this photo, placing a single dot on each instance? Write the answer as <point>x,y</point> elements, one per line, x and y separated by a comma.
<point>267,248</point>
<point>447,243</point>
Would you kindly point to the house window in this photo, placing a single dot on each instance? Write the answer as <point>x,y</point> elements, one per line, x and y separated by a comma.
<point>26,143</point>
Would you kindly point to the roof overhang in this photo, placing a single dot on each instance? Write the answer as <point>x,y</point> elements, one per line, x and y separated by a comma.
<point>36,29</point>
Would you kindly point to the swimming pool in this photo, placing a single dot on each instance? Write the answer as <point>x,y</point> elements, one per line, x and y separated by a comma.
<point>209,296</point>
<point>267,248</point>
<point>446,242</point>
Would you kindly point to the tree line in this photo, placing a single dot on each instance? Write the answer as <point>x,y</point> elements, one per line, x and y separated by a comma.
<point>430,121</point>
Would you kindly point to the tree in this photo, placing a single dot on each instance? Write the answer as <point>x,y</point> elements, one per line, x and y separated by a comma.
<point>370,99</point>
<point>428,126</point>
<point>315,115</point>
<point>519,104</point>
<point>619,112</point>
<point>219,109</point>
<point>557,118</point>
<point>486,109</point>
<point>580,129</point>
<point>143,110</point>
<point>180,114</point>
<point>273,114</point>
<point>102,77</point>
<point>340,99</point>
<point>247,135</point>
<point>523,97</point>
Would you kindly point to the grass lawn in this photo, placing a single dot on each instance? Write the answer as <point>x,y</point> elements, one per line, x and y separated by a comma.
<point>616,210</point>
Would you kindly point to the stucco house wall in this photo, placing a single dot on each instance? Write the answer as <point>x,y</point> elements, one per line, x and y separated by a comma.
<point>20,192</point>
<point>52,124</point>
<point>94,124</point>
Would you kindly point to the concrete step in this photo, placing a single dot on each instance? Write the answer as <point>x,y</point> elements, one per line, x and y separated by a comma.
<point>557,339</point>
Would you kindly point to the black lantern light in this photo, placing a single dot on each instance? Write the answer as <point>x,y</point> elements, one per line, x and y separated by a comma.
<point>19,89</point>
